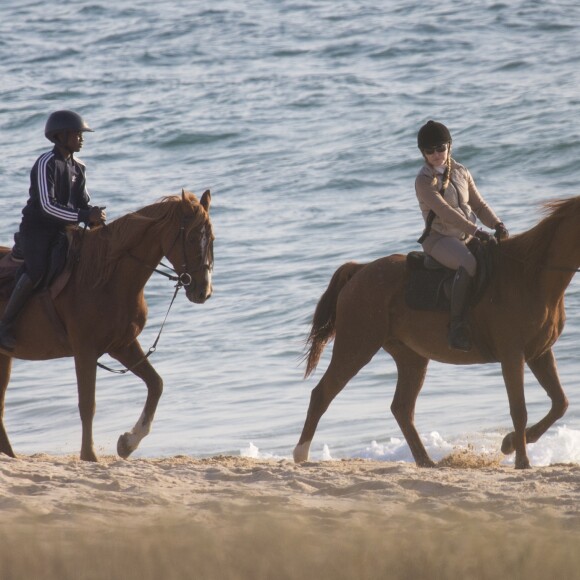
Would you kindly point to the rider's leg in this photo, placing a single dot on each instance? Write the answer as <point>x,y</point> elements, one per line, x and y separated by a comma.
<point>454,254</point>
<point>22,291</point>
<point>36,241</point>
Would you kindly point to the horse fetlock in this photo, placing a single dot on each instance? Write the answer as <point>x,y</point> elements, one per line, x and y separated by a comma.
<point>302,452</point>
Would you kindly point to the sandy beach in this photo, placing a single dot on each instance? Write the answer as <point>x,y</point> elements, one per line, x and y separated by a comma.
<point>236,517</point>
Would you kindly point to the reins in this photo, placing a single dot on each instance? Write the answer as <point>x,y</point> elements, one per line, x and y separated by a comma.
<point>153,347</point>
<point>183,279</point>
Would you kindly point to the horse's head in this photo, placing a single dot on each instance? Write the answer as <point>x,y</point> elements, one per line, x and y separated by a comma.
<point>191,252</point>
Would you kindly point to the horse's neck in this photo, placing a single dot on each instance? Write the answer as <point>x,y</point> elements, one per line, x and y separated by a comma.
<point>557,267</point>
<point>142,258</point>
<point>139,252</point>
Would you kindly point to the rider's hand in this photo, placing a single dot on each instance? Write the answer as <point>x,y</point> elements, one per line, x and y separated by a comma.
<point>97,216</point>
<point>484,236</point>
<point>501,232</point>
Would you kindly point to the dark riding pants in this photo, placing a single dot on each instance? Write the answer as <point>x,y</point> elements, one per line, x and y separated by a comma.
<point>37,240</point>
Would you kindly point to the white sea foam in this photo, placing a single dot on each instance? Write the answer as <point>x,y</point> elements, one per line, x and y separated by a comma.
<point>560,445</point>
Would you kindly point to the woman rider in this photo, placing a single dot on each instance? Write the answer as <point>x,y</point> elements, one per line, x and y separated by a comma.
<point>57,197</point>
<point>450,204</point>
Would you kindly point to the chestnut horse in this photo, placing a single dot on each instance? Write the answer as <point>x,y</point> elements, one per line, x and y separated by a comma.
<point>517,321</point>
<point>102,308</point>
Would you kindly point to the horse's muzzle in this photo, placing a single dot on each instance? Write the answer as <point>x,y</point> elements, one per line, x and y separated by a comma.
<point>198,294</point>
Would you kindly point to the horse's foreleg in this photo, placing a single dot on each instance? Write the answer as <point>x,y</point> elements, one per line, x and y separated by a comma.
<point>133,358</point>
<point>546,372</point>
<point>5,368</point>
<point>411,369</point>
<point>513,374</point>
<point>86,370</point>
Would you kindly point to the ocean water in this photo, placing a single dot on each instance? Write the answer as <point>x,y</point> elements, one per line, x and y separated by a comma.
<point>301,117</point>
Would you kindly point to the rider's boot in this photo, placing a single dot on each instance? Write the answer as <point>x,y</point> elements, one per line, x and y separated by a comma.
<point>459,333</point>
<point>22,291</point>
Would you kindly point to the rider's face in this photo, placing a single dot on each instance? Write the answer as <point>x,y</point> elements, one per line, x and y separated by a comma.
<point>437,156</point>
<point>74,141</point>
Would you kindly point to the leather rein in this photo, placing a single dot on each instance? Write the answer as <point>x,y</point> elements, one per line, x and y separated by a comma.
<point>182,280</point>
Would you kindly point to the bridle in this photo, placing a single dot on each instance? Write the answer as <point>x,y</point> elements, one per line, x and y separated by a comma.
<point>182,280</point>
<point>206,262</point>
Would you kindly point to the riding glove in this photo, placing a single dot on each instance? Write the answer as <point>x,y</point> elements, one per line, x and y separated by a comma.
<point>501,232</point>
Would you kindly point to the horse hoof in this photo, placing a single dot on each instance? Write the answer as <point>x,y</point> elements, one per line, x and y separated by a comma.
<point>507,445</point>
<point>90,456</point>
<point>124,448</point>
<point>301,452</point>
<point>426,463</point>
<point>523,463</point>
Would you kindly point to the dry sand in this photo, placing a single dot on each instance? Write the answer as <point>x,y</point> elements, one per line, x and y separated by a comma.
<point>235,517</point>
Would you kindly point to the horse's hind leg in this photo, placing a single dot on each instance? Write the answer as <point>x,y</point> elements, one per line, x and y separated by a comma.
<point>5,368</point>
<point>411,369</point>
<point>348,357</point>
<point>133,358</point>
<point>546,372</point>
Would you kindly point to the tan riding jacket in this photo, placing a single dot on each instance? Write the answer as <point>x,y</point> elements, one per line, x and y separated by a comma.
<point>455,214</point>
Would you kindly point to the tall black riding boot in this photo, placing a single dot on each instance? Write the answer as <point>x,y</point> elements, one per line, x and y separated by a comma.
<point>23,289</point>
<point>459,336</point>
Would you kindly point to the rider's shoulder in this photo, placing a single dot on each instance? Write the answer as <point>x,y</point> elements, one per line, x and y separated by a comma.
<point>80,162</point>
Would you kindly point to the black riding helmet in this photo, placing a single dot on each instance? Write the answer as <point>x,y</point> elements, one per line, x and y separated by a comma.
<point>432,134</point>
<point>61,121</point>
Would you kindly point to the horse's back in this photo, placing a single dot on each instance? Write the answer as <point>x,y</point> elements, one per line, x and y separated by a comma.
<point>373,288</point>
<point>383,276</point>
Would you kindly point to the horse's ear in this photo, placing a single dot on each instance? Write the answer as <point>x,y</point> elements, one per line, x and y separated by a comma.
<point>183,194</point>
<point>206,200</point>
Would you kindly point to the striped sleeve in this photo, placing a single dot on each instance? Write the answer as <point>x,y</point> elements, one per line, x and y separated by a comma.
<point>47,198</point>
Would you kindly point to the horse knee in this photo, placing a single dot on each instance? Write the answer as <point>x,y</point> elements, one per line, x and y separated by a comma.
<point>155,386</point>
<point>87,411</point>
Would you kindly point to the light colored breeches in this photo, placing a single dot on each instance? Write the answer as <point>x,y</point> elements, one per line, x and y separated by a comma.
<point>450,252</point>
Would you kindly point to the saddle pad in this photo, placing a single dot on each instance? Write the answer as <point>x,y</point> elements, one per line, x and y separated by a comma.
<point>425,289</point>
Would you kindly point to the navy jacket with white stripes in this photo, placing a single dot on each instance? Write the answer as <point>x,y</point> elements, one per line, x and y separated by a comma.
<point>58,191</point>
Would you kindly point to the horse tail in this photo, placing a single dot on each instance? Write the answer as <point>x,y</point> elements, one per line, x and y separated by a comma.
<point>323,321</point>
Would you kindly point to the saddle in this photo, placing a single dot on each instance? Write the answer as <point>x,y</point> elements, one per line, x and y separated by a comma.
<point>429,283</point>
<point>57,274</point>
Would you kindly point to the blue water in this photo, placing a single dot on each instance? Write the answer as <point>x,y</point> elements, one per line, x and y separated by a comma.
<point>301,117</point>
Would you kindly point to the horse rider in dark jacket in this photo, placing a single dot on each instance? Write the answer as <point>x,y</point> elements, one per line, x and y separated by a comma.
<point>57,197</point>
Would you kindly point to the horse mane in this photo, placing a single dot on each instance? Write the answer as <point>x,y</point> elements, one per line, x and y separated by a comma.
<point>528,250</point>
<point>101,247</point>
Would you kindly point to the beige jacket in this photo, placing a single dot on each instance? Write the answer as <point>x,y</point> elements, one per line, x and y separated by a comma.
<point>456,213</point>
